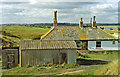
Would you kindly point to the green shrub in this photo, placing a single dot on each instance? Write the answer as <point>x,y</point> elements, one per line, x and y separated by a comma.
<point>105,53</point>
<point>29,65</point>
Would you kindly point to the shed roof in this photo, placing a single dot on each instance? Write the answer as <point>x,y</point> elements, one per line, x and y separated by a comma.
<point>47,44</point>
<point>76,33</point>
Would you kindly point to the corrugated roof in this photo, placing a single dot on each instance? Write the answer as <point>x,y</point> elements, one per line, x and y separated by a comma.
<point>47,44</point>
<point>76,33</point>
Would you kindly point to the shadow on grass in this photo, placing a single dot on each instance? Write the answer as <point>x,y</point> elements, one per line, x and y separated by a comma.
<point>10,35</point>
<point>91,62</point>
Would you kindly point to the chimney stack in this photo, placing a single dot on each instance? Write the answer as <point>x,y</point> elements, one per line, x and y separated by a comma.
<point>94,18</point>
<point>94,22</point>
<point>55,19</point>
<point>81,23</point>
<point>91,22</point>
<point>80,19</point>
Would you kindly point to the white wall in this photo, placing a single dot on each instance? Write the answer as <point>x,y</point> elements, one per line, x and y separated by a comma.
<point>71,56</point>
<point>105,45</point>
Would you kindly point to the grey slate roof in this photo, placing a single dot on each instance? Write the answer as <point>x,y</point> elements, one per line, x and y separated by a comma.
<point>47,44</point>
<point>76,33</point>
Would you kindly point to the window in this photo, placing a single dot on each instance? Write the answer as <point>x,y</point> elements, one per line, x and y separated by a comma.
<point>98,43</point>
<point>78,43</point>
<point>113,41</point>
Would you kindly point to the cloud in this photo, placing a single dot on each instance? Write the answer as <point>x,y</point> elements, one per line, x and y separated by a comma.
<point>106,12</point>
<point>40,12</point>
<point>33,1</point>
<point>60,0</point>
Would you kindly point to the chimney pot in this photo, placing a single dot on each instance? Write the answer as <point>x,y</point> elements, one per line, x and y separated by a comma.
<point>55,19</point>
<point>94,18</point>
<point>55,15</point>
<point>94,22</point>
<point>80,19</point>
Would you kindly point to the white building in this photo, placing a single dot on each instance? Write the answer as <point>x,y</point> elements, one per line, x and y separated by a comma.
<point>102,45</point>
<point>88,37</point>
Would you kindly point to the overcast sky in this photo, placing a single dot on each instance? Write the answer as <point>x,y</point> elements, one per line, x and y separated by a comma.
<point>36,11</point>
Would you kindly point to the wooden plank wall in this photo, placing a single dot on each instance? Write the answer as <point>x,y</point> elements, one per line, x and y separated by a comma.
<point>42,44</point>
<point>36,57</point>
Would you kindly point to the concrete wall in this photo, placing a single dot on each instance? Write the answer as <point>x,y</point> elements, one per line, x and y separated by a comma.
<point>47,56</point>
<point>105,45</point>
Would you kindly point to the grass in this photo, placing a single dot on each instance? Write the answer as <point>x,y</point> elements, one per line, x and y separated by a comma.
<point>108,30</point>
<point>50,69</point>
<point>44,69</point>
<point>109,69</point>
<point>13,33</point>
<point>0,65</point>
<point>24,32</point>
<point>88,72</point>
<point>111,31</point>
<point>101,56</point>
<point>109,26</point>
<point>106,69</point>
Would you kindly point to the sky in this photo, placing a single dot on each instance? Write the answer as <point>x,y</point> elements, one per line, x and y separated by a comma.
<point>42,11</point>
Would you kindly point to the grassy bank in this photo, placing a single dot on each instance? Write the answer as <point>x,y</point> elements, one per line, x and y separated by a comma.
<point>109,69</point>
<point>13,33</point>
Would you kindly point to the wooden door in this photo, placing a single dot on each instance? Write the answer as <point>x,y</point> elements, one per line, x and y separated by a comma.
<point>10,60</point>
<point>64,58</point>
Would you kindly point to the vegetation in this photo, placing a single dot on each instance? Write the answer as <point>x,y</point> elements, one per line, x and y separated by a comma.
<point>46,69</point>
<point>109,69</point>
<point>87,64</point>
<point>109,29</point>
<point>99,56</point>
<point>109,26</point>
<point>13,33</point>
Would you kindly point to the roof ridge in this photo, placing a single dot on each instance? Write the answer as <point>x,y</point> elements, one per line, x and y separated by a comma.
<point>106,33</point>
<point>43,36</point>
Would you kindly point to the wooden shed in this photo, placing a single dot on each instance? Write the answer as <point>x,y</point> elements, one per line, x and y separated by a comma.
<point>10,57</point>
<point>45,51</point>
